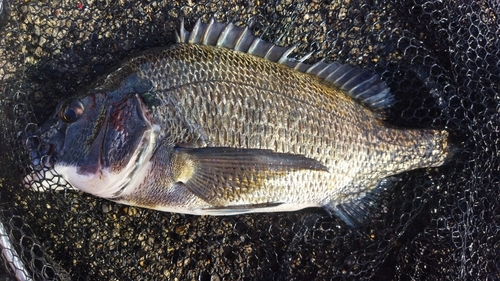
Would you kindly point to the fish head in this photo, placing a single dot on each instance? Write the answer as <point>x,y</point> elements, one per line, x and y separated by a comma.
<point>100,142</point>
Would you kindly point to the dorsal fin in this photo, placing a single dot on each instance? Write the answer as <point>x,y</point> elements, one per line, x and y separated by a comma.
<point>358,83</point>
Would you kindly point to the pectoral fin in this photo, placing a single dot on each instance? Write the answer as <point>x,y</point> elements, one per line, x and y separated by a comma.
<point>220,175</point>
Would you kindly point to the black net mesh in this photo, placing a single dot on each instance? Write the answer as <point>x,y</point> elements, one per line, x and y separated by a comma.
<point>440,59</point>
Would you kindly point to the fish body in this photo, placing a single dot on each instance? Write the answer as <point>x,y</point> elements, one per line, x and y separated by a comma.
<point>224,123</point>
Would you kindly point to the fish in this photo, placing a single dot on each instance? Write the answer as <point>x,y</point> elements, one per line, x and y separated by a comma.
<point>223,122</point>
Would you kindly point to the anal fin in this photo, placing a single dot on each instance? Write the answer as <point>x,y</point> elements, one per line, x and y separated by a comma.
<point>360,210</point>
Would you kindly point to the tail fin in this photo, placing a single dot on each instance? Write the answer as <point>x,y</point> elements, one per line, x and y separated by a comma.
<point>455,148</point>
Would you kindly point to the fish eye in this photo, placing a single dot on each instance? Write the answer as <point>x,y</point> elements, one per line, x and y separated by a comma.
<point>71,111</point>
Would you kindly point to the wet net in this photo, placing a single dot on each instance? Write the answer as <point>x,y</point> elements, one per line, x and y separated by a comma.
<point>440,59</point>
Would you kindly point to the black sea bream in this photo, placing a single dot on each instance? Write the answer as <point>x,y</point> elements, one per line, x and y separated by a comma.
<point>224,123</point>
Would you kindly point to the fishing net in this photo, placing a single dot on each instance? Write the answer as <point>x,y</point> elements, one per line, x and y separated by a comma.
<point>440,59</point>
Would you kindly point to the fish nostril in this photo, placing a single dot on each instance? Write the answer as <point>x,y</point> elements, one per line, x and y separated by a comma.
<point>33,143</point>
<point>44,148</point>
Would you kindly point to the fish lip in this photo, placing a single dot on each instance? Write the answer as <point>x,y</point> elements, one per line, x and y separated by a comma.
<point>42,160</point>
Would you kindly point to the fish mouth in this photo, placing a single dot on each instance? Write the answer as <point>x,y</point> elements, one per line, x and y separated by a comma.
<point>40,152</point>
<point>42,158</point>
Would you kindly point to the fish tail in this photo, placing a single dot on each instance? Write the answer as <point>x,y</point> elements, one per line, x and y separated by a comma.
<point>431,148</point>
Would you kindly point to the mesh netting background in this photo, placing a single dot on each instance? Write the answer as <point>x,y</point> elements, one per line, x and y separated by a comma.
<point>440,59</point>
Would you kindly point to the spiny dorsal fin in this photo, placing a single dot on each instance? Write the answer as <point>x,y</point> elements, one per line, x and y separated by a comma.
<point>358,83</point>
